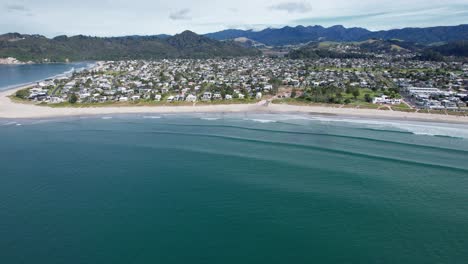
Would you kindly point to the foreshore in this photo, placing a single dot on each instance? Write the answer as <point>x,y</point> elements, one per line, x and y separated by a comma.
<point>14,110</point>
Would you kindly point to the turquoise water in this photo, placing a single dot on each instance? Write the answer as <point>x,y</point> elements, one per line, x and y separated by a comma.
<point>14,75</point>
<point>232,189</point>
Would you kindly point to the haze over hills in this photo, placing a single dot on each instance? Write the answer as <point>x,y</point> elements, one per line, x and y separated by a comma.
<point>301,34</point>
<point>61,48</point>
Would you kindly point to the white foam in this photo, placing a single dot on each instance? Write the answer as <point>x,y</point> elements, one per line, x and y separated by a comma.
<point>417,128</point>
<point>210,118</point>
<point>106,117</point>
<point>261,120</point>
<point>9,124</point>
<point>435,130</point>
<point>151,117</point>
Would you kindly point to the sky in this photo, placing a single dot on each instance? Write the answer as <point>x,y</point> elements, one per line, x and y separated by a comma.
<point>149,17</point>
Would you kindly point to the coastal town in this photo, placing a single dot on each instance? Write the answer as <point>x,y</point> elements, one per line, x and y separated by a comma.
<point>383,83</point>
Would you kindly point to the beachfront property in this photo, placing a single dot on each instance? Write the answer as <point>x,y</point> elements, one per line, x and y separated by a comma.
<point>437,99</point>
<point>389,81</point>
<point>384,99</point>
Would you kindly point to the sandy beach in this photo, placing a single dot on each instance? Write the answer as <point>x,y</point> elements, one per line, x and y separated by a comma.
<point>10,109</point>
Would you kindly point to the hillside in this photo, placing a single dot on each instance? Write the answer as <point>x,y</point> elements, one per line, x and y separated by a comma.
<point>248,43</point>
<point>61,48</point>
<point>189,44</point>
<point>301,34</point>
<point>457,48</point>
<point>293,35</point>
<point>362,49</point>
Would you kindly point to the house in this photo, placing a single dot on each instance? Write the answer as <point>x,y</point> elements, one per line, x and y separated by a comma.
<point>206,96</point>
<point>56,100</point>
<point>386,100</point>
<point>170,99</point>
<point>217,96</point>
<point>179,97</point>
<point>157,97</point>
<point>123,99</point>
<point>228,97</point>
<point>191,98</point>
<point>135,98</point>
<point>258,96</point>
<point>241,96</point>
<point>122,89</point>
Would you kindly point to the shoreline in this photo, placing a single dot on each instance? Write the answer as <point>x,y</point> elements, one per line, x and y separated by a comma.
<point>14,110</point>
<point>28,84</point>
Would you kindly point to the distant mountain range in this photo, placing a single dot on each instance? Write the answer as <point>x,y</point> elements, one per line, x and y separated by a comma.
<point>301,34</point>
<point>449,40</point>
<point>62,48</point>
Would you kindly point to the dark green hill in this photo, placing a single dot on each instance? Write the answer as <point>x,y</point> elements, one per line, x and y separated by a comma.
<point>61,48</point>
<point>457,48</point>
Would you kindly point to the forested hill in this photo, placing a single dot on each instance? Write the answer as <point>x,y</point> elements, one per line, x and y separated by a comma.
<point>61,48</point>
<point>301,34</point>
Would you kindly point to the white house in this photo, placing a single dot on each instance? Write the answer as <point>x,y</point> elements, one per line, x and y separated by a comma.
<point>228,97</point>
<point>268,87</point>
<point>170,98</point>
<point>157,97</point>
<point>123,99</point>
<point>386,100</point>
<point>206,96</point>
<point>258,96</point>
<point>191,98</point>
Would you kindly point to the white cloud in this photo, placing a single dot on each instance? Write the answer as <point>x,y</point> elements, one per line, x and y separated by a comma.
<point>16,8</point>
<point>292,7</point>
<point>182,14</point>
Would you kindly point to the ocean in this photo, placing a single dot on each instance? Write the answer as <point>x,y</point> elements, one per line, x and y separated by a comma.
<point>15,75</point>
<point>232,188</point>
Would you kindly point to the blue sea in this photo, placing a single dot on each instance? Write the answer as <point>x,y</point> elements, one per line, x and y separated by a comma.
<point>232,188</point>
<point>16,75</point>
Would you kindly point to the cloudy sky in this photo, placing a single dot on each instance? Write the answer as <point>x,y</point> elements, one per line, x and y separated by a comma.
<point>148,17</point>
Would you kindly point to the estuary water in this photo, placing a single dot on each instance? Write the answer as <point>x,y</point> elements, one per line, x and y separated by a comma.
<point>16,75</point>
<point>237,188</point>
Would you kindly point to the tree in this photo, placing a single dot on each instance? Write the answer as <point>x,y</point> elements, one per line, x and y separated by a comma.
<point>356,93</point>
<point>347,101</point>
<point>293,93</point>
<point>368,98</point>
<point>88,83</point>
<point>73,99</point>
<point>23,94</point>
